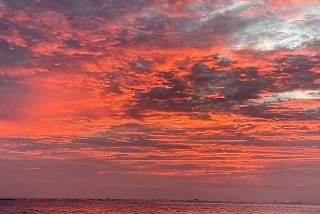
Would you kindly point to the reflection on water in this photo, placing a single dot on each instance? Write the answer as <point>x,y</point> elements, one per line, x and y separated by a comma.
<point>139,206</point>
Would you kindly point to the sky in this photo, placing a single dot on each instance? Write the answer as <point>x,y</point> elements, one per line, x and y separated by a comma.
<point>160,99</point>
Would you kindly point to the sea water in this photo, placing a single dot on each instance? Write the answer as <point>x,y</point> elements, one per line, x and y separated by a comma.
<point>33,206</point>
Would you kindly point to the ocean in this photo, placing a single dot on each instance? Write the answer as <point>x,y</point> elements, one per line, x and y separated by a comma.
<point>34,206</point>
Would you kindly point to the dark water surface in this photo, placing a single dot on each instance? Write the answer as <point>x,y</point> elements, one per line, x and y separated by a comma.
<point>140,206</point>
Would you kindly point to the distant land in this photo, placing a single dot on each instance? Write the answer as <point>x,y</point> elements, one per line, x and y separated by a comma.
<point>7,199</point>
<point>170,200</point>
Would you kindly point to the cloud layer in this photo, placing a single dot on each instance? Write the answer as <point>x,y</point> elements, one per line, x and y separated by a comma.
<point>213,95</point>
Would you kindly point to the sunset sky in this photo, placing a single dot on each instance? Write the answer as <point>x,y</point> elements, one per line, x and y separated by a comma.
<point>167,99</point>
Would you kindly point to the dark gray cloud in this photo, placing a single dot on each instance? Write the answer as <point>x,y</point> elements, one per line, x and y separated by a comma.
<point>190,95</point>
<point>14,56</point>
<point>236,87</point>
<point>295,72</point>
